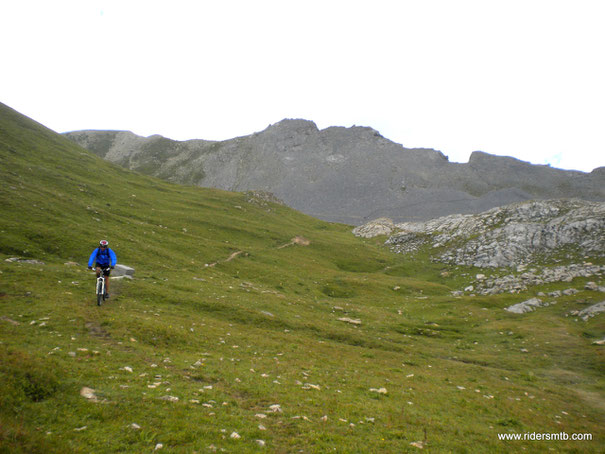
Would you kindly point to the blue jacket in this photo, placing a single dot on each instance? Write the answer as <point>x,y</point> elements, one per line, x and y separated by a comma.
<point>103,257</point>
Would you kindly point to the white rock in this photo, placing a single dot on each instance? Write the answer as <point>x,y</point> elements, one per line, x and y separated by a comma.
<point>379,390</point>
<point>88,393</point>
<point>235,436</point>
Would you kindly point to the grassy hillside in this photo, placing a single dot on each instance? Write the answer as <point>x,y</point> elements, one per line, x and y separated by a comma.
<point>232,317</point>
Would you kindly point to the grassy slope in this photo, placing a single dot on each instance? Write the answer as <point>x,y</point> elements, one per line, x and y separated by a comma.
<point>252,332</point>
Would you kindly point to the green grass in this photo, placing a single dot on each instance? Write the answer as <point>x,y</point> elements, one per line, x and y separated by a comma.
<point>232,339</point>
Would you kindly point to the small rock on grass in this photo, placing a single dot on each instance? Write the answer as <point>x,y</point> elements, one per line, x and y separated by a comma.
<point>379,390</point>
<point>88,393</point>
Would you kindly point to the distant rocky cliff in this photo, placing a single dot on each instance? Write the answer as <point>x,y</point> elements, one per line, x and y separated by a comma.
<point>349,175</point>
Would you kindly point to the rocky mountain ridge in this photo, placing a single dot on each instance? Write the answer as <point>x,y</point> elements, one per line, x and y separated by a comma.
<point>349,175</point>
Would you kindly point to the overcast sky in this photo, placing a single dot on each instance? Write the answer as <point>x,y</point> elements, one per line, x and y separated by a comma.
<point>515,78</point>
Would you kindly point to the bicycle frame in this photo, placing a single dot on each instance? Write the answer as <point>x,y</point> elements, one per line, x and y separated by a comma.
<point>100,288</point>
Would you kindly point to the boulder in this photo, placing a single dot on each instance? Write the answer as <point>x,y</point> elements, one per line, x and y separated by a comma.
<point>591,286</point>
<point>122,270</point>
<point>526,306</point>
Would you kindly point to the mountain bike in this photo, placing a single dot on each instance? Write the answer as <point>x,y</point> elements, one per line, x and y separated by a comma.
<point>100,287</point>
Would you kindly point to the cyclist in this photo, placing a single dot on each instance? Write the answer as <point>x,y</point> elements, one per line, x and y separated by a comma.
<point>105,260</point>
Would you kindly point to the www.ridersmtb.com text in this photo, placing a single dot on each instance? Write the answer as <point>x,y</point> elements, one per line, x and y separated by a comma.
<point>560,436</point>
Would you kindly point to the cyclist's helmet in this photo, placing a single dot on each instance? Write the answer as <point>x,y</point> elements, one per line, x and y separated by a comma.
<point>103,243</point>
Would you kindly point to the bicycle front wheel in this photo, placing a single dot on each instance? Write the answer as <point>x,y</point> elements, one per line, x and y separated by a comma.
<point>99,293</point>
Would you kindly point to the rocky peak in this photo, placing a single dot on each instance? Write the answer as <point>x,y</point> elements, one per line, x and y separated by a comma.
<point>292,126</point>
<point>600,171</point>
<point>482,160</point>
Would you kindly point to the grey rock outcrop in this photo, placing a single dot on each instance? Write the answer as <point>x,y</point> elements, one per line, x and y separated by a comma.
<point>591,311</point>
<point>527,306</point>
<point>515,283</point>
<point>509,236</point>
<point>377,227</point>
<point>349,175</point>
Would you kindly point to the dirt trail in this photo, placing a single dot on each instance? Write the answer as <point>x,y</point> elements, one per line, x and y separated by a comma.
<point>228,259</point>
<point>301,241</point>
